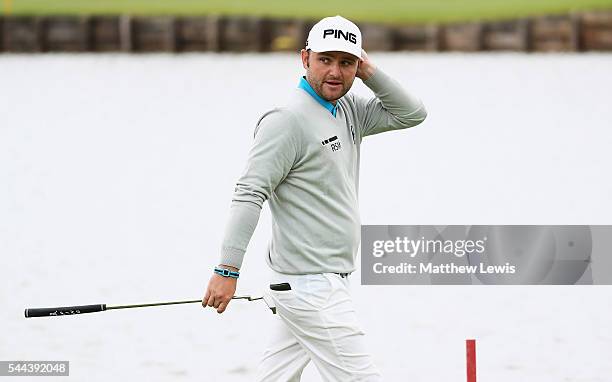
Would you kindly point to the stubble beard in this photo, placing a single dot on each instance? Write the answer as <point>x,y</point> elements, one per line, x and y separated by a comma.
<point>318,85</point>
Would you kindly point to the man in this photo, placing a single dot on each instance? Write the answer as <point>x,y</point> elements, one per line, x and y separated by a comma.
<point>305,161</point>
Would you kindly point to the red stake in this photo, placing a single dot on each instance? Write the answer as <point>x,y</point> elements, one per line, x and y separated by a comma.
<point>470,352</point>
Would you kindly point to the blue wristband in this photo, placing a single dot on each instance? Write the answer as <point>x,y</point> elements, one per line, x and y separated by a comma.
<point>226,273</point>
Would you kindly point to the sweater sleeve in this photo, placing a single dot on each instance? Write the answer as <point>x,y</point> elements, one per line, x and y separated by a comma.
<point>274,151</point>
<point>393,108</point>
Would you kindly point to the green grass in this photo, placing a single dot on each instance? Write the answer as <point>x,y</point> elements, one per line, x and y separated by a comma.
<point>409,11</point>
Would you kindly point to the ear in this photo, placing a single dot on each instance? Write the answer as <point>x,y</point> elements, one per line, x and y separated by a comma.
<point>305,55</point>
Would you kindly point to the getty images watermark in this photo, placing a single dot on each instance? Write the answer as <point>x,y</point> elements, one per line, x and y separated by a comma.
<point>455,255</point>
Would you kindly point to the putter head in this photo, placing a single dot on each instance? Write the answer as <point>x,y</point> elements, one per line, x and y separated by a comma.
<point>267,299</point>
<point>270,302</point>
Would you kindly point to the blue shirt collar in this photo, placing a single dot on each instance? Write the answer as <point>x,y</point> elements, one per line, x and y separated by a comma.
<point>326,104</point>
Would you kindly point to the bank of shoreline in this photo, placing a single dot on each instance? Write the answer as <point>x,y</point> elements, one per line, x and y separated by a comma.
<point>576,32</point>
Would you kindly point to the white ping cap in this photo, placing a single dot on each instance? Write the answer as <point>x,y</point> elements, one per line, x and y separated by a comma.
<point>335,34</point>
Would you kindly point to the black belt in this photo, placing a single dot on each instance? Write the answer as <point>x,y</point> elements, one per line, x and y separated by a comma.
<point>343,275</point>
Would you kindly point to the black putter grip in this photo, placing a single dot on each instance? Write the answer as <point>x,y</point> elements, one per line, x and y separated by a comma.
<point>64,310</point>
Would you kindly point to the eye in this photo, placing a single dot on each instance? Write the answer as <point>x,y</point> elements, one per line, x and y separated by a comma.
<point>324,59</point>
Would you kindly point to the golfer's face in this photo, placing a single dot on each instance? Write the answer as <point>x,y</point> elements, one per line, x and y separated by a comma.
<point>331,74</point>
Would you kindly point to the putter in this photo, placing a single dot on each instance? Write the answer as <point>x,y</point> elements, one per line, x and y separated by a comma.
<point>81,309</point>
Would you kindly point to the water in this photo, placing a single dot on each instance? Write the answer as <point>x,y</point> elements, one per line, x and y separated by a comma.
<point>118,172</point>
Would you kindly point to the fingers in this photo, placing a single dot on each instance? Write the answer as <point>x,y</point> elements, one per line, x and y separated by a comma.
<point>222,306</point>
<point>205,299</point>
<point>220,303</point>
<point>211,301</point>
<point>216,301</point>
<point>219,293</point>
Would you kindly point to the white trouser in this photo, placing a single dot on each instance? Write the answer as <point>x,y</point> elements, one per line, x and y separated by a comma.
<point>315,321</point>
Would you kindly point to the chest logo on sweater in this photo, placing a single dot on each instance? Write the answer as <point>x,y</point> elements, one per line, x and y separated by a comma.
<point>333,143</point>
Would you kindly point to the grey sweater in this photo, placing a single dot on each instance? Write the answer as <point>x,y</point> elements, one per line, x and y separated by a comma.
<point>305,162</point>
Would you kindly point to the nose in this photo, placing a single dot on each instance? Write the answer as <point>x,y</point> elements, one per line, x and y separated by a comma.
<point>334,70</point>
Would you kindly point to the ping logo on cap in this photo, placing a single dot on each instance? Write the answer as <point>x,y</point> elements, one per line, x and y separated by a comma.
<point>337,33</point>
